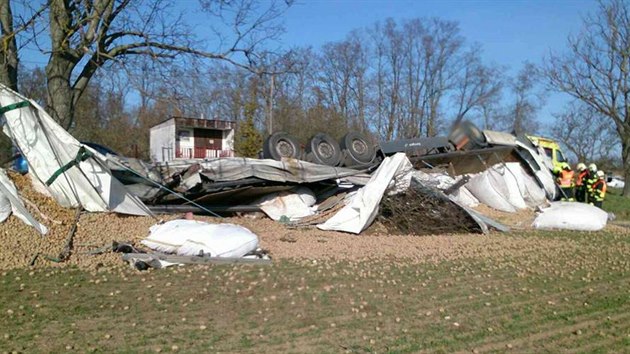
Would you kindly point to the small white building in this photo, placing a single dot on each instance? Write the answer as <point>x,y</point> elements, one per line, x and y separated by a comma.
<point>191,138</point>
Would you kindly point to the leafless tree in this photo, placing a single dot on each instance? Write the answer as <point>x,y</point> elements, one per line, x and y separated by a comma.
<point>11,26</point>
<point>478,88</point>
<point>574,128</point>
<point>596,70</point>
<point>527,100</point>
<point>87,34</point>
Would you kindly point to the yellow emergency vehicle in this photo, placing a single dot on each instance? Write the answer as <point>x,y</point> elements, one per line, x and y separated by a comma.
<point>552,150</point>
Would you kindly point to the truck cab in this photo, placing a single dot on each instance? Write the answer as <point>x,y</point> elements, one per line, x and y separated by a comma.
<point>552,150</point>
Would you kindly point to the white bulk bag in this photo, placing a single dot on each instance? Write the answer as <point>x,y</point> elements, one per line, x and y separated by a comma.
<point>491,191</point>
<point>533,194</point>
<point>511,173</point>
<point>463,196</point>
<point>571,216</point>
<point>194,238</point>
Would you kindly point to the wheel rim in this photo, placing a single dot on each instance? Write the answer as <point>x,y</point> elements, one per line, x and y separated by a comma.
<point>325,150</point>
<point>359,146</point>
<point>284,148</point>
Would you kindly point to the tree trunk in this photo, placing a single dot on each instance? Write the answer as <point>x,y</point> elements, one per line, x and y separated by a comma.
<point>60,93</point>
<point>625,155</point>
<point>62,61</point>
<point>8,51</point>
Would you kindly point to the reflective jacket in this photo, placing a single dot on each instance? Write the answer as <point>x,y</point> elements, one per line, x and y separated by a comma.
<point>599,190</point>
<point>565,179</point>
<point>591,178</point>
<point>581,178</point>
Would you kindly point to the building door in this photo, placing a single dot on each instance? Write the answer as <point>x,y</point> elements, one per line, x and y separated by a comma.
<point>208,142</point>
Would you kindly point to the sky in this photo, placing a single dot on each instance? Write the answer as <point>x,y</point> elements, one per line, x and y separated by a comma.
<point>509,31</point>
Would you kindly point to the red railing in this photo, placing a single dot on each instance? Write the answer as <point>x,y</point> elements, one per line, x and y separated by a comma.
<point>202,153</point>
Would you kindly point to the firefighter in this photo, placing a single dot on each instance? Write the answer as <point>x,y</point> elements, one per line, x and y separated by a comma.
<point>591,178</point>
<point>580,183</point>
<point>599,190</point>
<point>565,181</point>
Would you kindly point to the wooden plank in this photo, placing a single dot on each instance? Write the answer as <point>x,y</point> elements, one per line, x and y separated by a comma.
<point>195,259</point>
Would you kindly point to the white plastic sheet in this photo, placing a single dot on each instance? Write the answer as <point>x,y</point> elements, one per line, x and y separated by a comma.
<point>10,202</point>
<point>571,216</point>
<point>47,147</point>
<point>194,238</point>
<point>394,174</point>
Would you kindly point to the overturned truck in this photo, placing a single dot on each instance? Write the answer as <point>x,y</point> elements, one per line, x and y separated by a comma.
<point>334,185</point>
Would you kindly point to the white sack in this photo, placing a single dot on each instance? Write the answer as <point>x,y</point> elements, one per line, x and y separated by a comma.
<point>11,202</point>
<point>491,190</point>
<point>464,197</point>
<point>193,238</point>
<point>394,174</point>
<point>294,205</point>
<point>533,194</point>
<point>571,216</point>
<point>511,173</point>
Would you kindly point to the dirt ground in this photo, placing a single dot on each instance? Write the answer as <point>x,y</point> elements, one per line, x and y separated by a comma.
<point>22,246</point>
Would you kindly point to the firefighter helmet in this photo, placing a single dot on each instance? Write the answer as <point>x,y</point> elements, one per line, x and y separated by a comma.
<point>592,167</point>
<point>601,174</point>
<point>581,166</point>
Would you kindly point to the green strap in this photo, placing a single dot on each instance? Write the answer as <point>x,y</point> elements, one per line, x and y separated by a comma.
<point>82,155</point>
<point>13,106</point>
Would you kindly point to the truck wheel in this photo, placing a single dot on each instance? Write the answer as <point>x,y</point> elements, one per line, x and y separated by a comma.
<point>324,150</point>
<point>281,145</point>
<point>357,149</point>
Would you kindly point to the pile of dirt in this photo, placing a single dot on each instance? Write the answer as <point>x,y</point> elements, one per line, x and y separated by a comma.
<point>420,211</point>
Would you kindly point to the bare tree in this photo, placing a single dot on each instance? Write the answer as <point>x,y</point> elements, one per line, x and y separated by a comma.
<point>596,70</point>
<point>574,128</point>
<point>11,26</point>
<point>85,35</point>
<point>478,87</point>
<point>521,112</point>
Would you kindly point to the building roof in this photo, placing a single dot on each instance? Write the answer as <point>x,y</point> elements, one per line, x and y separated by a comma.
<point>190,122</point>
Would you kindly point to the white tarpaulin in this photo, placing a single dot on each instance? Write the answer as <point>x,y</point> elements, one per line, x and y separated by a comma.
<point>11,202</point>
<point>47,148</point>
<point>571,216</point>
<point>198,238</point>
<point>394,174</point>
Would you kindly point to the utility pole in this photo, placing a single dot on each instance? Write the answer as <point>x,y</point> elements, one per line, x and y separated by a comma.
<point>270,105</point>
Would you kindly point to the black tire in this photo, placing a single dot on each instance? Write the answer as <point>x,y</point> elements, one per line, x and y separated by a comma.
<point>324,150</point>
<point>281,145</point>
<point>356,149</point>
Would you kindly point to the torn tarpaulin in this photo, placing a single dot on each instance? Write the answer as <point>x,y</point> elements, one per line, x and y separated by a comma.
<point>393,173</point>
<point>78,175</point>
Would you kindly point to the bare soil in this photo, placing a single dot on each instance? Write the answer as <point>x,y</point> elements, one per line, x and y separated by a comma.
<point>21,244</point>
